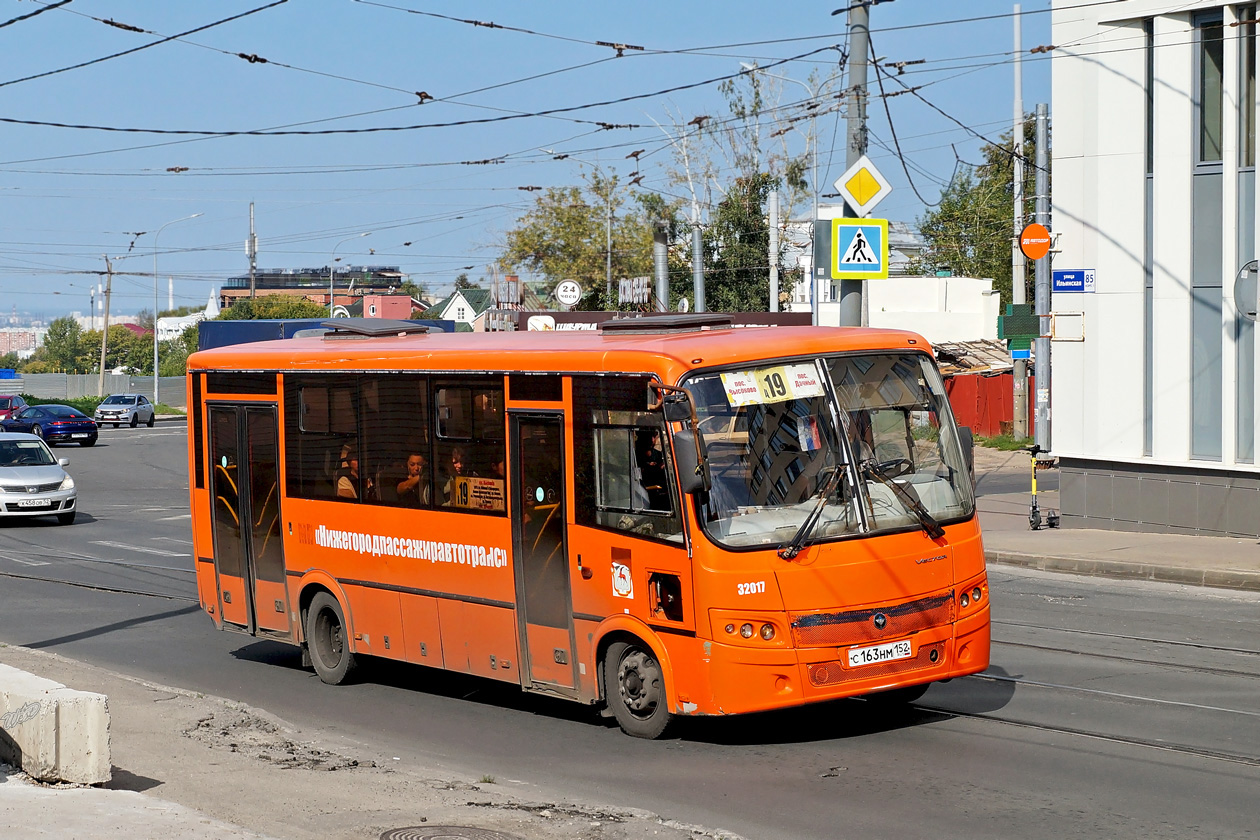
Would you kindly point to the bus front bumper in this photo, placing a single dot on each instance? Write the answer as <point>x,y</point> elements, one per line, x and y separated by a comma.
<point>747,679</point>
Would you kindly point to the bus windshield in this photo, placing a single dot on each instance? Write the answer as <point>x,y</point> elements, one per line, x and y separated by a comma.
<point>776,434</point>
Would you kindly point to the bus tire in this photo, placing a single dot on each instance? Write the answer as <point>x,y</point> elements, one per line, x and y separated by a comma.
<point>635,689</point>
<point>327,640</point>
<point>898,696</point>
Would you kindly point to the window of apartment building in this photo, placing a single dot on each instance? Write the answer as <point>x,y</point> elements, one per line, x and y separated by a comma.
<point>1245,331</point>
<point>1210,38</point>
<point>1206,340</point>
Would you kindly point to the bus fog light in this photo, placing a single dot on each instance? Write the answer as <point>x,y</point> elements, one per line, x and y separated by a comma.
<point>976,594</point>
<point>933,656</point>
<point>730,628</point>
<point>964,600</point>
<point>746,630</point>
<point>767,631</point>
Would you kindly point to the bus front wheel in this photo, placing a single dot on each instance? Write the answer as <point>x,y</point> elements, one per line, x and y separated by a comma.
<point>635,687</point>
<point>327,640</point>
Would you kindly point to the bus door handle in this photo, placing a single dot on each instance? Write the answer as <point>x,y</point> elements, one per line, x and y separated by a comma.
<point>587,574</point>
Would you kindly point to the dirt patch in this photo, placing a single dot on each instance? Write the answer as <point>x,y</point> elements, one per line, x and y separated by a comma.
<point>253,735</point>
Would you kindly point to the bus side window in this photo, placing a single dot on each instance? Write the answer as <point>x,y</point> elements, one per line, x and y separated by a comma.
<point>470,446</point>
<point>623,476</point>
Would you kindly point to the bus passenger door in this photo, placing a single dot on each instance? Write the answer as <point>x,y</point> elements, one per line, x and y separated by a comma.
<point>543,601</point>
<point>248,551</point>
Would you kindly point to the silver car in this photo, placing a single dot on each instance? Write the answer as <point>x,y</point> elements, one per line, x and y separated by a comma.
<point>132,409</point>
<point>32,481</point>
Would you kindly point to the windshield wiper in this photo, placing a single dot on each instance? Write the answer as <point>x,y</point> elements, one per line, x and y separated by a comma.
<point>828,487</point>
<point>909,498</point>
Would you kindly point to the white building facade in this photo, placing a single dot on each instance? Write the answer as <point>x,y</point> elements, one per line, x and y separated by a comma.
<point>1153,413</point>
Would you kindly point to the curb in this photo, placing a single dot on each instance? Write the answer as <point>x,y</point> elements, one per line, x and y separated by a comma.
<point>1239,579</point>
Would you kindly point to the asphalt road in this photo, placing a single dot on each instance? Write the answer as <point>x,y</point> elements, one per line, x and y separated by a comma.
<point>1112,708</point>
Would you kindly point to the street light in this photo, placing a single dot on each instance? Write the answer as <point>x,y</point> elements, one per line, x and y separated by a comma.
<point>155,302</point>
<point>332,261</point>
<point>813,156</point>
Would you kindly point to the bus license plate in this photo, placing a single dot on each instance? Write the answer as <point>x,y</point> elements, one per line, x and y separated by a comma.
<point>880,653</point>
<point>28,503</point>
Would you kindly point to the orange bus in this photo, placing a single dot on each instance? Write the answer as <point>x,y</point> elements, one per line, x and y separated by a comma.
<point>665,517</point>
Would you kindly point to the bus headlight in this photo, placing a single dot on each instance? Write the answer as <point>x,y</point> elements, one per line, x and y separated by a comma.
<point>767,631</point>
<point>976,594</point>
<point>746,630</point>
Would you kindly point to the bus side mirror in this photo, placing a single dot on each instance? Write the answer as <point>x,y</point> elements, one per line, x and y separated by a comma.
<point>677,408</point>
<point>693,475</point>
<point>967,440</point>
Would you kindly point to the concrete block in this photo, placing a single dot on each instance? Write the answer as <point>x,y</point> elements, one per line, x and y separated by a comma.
<point>52,732</point>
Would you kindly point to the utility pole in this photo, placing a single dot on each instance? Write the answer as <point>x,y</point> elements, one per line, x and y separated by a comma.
<point>608,250</point>
<point>251,248</point>
<point>697,266</point>
<point>774,251</point>
<point>851,291</point>
<point>660,260</point>
<point>109,285</point>
<point>1019,294</point>
<point>1042,297</point>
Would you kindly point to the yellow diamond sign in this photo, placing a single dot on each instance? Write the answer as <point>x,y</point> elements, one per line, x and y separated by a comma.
<point>862,186</point>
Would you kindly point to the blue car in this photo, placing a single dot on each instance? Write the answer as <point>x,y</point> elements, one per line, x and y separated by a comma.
<point>54,423</point>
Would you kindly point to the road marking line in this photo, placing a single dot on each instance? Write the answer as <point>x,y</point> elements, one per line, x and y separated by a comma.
<point>176,539</point>
<point>27,562</point>
<point>172,518</point>
<point>139,548</point>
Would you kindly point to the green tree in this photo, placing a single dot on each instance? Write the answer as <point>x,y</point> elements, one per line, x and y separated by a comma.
<point>63,349</point>
<point>415,290</point>
<point>970,232</point>
<point>462,282</point>
<point>737,248</point>
<point>175,352</point>
<point>10,361</point>
<point>272,306</point>
<point>565,236</point>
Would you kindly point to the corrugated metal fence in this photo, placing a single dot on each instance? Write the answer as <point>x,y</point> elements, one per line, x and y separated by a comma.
<point>52,386</point>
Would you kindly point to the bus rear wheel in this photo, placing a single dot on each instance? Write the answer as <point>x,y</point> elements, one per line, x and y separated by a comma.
<point>327,641</point>
<point>635,687</point>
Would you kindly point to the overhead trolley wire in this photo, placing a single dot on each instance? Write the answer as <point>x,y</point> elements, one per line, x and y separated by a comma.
<point>30,15</point>
<point>394,128</point>
<point>160,41</point>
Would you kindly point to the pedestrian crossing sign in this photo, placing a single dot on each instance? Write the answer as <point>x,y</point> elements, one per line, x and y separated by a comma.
<point>859,249</point>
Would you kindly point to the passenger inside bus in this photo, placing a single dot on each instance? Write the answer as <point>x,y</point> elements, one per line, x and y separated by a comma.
<point>455,467</point>
<point>650,461</point>
<point>413,491</point>
<point>348,478</point>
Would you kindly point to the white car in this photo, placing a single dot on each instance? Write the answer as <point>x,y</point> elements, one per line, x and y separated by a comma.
<point>132,409</point>
<point>32,481</point>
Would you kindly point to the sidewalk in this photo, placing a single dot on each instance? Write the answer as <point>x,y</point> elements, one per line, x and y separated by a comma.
<point>188,765</point>
<point>1231,563</point>
<point>191,766</point>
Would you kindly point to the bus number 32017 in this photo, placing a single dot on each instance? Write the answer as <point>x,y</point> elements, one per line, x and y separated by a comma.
<point>751,588</point>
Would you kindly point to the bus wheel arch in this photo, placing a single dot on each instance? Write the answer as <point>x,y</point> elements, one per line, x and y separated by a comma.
<point>329,641</point>
<point>635,685</point>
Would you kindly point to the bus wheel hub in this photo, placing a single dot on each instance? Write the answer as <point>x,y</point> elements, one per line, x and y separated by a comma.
<point>639,682</point>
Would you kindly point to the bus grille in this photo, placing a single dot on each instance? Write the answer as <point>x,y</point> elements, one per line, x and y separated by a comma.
<point>831,673</point>
<point>846,628</point>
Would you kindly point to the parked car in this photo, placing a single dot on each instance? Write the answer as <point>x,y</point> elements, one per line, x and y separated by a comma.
<point>54,423</point>
<point>32,481</point>
<point>10,404</point>
<point>132,409</point>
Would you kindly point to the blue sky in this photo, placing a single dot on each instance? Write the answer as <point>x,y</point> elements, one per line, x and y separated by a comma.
<point>72,195</point>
